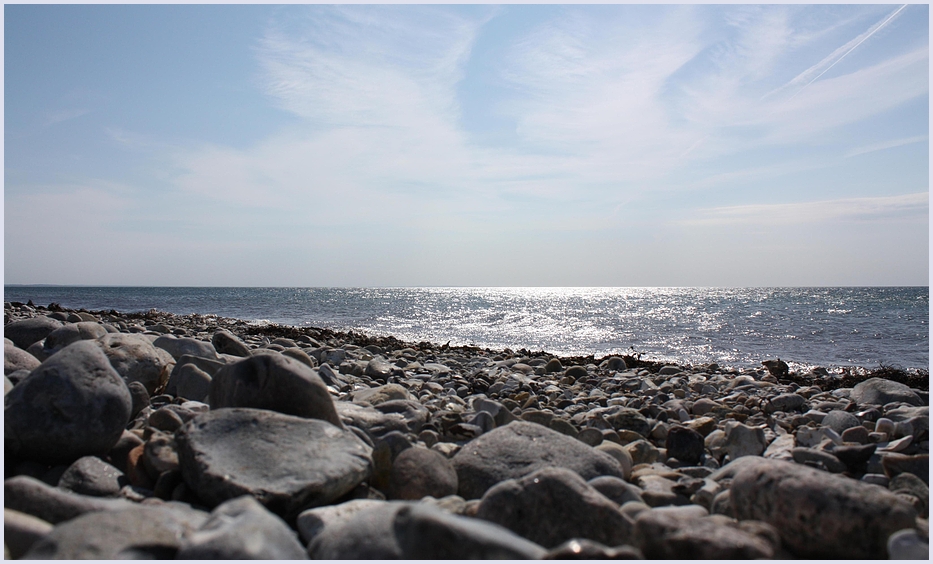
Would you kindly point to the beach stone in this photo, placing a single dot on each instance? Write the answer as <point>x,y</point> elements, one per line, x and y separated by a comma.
<point>274,382</point>
<point>139,398</point>
<point>642,452</point>
<point>371,421</point>
<point>788,402</point>
<point>917,464</point>
<point>879,391</point>
<point>242,529</point>
<point>287,463</point>
<point>781,448</point>
<point>73,404</point>
<point>34,497</point>
<point>380,394</point>
<point>818,458</point>
<point>178,346</point>
<point>743,440</point>
<point>311,522</point>
<point>90,475</point>
<point>299,355</point>
<point>703,406</point>
<point>17,359</point>
<point>520,448</point>
<point>618,452</point>
<point>616,489</point>
<point>160,454</point>
<point>378,369</point>
<point>414,414</point>
<point>702,425</point>
<point>418,472</point>
<point>403,530</point>
<point>857,434</point>
<point>839,421</point>
<point>907,483</point>
<point>136,360</point>
<point>71,333</point>
<point>553,365</point>
<point>226,342</point>
<point>672,535</point>
<point>500,414</point>
<point>658,491</point>
<point>854,457</point>
<point>819,515</point>
<point>907,544</point>
<point>139,532</point>
<point>686,445</point>
<point>21,531</point>
<point>28,331</point>
<point>191,382</point>
<point>627,418</point>
<point>590,436</point>
<point>165,420</point>
<point>553,505</point>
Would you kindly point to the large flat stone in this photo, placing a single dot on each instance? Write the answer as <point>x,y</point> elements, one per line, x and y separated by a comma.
<point>287,463</point>
<point>520,448</point>
<point>818,514</point>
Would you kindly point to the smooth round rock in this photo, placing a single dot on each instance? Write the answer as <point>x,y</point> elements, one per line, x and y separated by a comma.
<point>380,394</point>
<point>21,531</point>
<point>519,448</point>
<point>908,545</point>
<point>617,490</point>
<point>274,382</point>
<point>839,420</point>
<point>28,331</point>
<point>178,346</point>
<point>418,472</point>
<point>74,404</point>
<point>667,535</point>
<point>17,359</point>
<point>818,514</point>
<point>553,505</point>
<point>287,463</point>
<point>226,342</point>
<point>141,532</point>
<point>71,333</point>
<point>137,360</point>
<point>879,391</point>
<point>90,475</point>
<point>405,530</point>
<point>242,529</point>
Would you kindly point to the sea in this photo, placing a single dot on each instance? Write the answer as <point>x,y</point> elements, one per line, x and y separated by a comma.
<point>831,327</point>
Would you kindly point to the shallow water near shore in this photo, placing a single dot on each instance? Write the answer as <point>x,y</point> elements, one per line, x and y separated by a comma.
<point>829,327</point>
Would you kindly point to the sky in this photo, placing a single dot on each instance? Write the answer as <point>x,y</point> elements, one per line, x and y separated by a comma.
<point>466,145</point>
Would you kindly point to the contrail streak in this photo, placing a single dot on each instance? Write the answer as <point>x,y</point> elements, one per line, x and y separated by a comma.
<point>872,32</point>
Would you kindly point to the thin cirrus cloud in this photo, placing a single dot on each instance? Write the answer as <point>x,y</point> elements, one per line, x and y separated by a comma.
<point>884,208</point>
<point>601,108</point>
<point>595,100</point>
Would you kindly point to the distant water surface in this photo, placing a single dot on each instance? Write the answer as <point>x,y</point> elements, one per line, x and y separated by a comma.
<point>828,327</point>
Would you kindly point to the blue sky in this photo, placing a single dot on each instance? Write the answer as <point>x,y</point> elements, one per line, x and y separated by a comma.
<point>478,145</point>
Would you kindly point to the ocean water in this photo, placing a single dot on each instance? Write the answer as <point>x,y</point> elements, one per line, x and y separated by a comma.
<point>740,327</point>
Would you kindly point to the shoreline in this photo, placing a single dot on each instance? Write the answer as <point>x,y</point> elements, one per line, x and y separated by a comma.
<point>830,378</point>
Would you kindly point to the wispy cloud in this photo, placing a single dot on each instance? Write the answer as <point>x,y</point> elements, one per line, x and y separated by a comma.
<point>844,209</point>
<point>887,145</point>
<point>60,116</point>
<point>812,74</point>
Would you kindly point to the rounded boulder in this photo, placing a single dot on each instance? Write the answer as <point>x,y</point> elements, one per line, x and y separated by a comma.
<point>274,382</point>
<point>73,404</point>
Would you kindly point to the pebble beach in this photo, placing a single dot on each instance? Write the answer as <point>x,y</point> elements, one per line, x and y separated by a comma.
<point>160,436</point>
